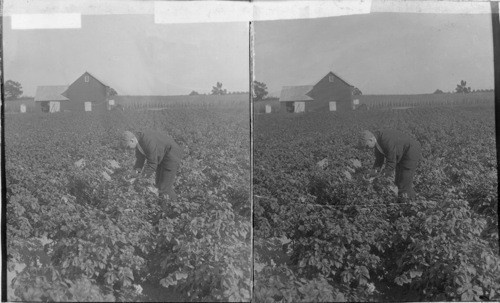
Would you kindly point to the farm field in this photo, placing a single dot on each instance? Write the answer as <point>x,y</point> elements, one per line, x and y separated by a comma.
<point>83,233</point>
<point>327,234</point>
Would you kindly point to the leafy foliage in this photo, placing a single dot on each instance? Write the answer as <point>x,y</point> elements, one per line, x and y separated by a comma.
<point>112,92</point>
<point>318,221</point>
<point>462,88</point>
<point>217,89</point>
<point>13,89</point>
<point>259,90</point>
<point>103,237</point>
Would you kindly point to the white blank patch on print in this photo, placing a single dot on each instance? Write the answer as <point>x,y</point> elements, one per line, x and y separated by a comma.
<point>241,11</point>
<point>177,12</point>
<point>238,11</point>
<point>46,21</point>
<point>53,14</point>
<point>287,10</point>
<point>431,6</point>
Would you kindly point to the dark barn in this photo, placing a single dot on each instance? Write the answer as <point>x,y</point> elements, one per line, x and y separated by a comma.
<point>331,93</point>
<point>86,93</point>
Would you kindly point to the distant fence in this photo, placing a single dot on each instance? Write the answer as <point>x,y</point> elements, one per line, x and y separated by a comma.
<point>377,101</point>
<point>391,101</point>
<point>259,107</point>
<point>137,102</point>
<point>141,102</point>
<point>14,106</point>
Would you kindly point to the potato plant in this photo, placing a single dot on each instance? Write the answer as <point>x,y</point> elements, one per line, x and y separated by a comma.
<point>85,233</point>
<point>346,238</point>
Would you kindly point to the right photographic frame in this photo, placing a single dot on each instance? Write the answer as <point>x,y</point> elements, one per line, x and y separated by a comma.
<point>374,159</point>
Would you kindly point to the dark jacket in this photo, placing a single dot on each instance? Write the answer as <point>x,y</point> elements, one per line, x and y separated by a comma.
<point>398,149</point>
<point>158,149</point>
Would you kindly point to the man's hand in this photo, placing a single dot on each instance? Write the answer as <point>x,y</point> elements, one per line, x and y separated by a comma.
<point>372,173</point>
<point>133,174</point>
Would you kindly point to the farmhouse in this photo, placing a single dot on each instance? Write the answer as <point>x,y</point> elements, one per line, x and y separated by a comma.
<point>331,93</point>
<point>86,93</point>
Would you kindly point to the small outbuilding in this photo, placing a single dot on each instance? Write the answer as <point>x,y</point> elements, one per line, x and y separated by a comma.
<point>49,99</point>
<point>293,99</point>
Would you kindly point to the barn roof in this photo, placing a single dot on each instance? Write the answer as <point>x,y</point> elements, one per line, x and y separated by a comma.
<point>341,79</point>
<point>295,93</point>
<point>51,93</point>
<point>336,75</point>
<point>97,79</point>
<point>86,72</point>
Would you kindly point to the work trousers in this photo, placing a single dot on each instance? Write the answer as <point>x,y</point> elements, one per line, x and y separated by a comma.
<point>165,178</point>
<point>404,180</point>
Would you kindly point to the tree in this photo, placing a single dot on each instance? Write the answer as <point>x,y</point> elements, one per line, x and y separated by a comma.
<point>217,90</point>
<point>193,93</point>
<point>112,92</point>
<point>462,88</point>
<point>259,90</point>
<point>13,89</point>
<point>438,91</point>
<point>357,92</point>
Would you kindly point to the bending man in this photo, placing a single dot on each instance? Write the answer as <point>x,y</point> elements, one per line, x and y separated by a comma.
<point>400,152</point>
<point>156,152</point>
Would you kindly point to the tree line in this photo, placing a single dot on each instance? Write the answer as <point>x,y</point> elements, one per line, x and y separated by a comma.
<point>462,88</point>
<point>217,90</point>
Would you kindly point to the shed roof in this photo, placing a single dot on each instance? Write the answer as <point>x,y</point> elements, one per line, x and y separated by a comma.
<point>296,93</point>
<point>51,93</point>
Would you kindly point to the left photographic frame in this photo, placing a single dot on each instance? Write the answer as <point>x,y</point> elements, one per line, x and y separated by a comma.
<point>127,156</point>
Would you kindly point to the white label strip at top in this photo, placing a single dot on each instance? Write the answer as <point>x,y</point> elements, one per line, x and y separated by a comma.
<point>431,7</point>
<point>67,13</point>
<point>202,11</point>
<point>47,21</point>
<point>227,11</point>
<point>84,7</point>
<point>283,10</point>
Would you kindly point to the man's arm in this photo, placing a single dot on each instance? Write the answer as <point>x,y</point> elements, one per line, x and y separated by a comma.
<point>390,161</point>
<point>149,149</point>
<point>139,160</point>
<point>150,166</point>
<point>379,159</point>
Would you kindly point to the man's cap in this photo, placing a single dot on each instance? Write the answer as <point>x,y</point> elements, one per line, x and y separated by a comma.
<point>366,135</point>
<point>127,136</point>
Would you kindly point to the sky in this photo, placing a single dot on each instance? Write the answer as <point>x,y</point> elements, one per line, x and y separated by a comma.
<point>131,54</point>
<point>380,53</point>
